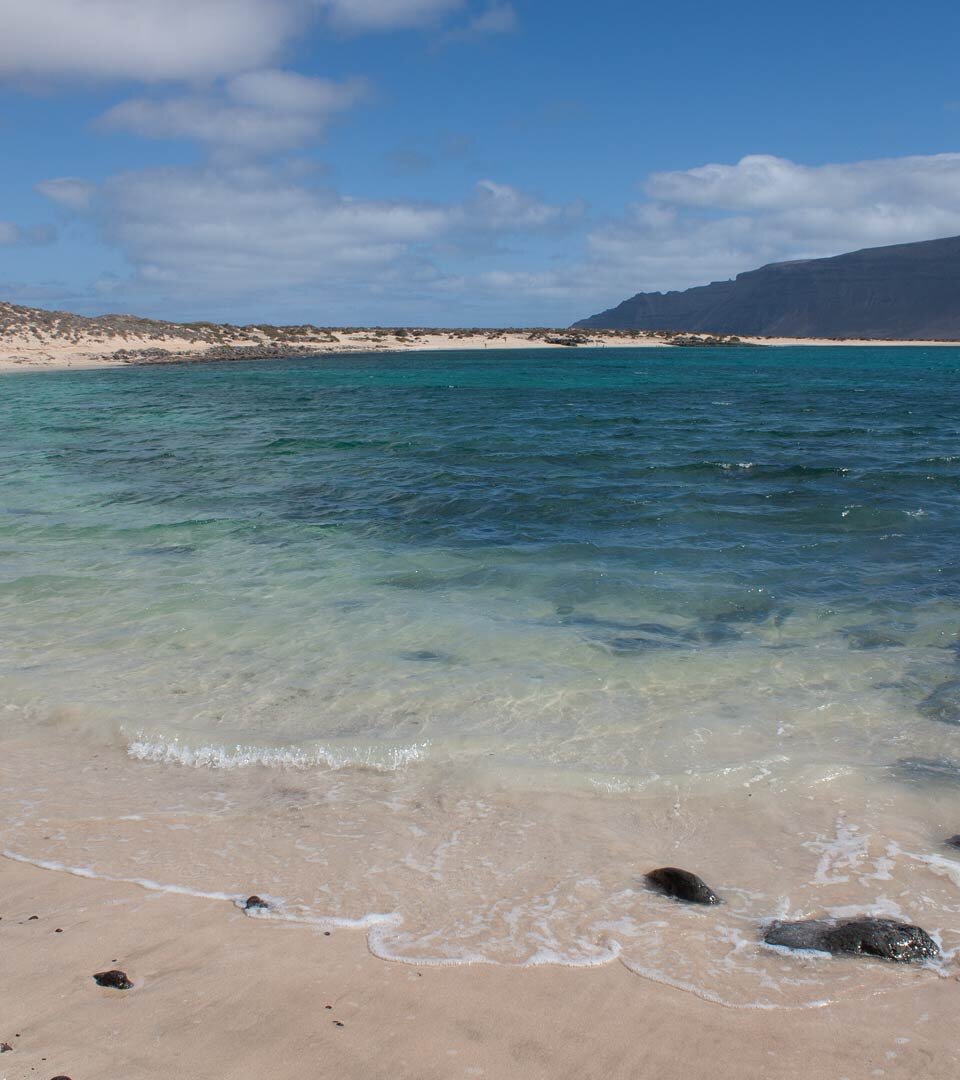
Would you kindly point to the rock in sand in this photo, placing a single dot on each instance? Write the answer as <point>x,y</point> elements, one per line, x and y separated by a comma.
<point>681,885</point>
<point>115,980</point>
<point>886,938</point>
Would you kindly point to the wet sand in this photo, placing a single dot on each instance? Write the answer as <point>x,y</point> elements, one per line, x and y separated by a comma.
<point>219,994</point>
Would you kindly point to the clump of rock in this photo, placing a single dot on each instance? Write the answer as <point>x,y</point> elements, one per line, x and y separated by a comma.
<point>114,980</point>
<point>885,938</point>
<point>681,885</point>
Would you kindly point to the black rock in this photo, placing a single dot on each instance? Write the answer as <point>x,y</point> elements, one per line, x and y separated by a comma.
<point>865,638</point>
<point>886,938</point>
<point>714,633</point>
<point>255,903</point>
<point>943,703</point>
<point>5,1048</point>
<point>681,885</point>
<point>61,1078</point>
<point>953,841</point>
<point>115,980</point>
<point>938,770</point>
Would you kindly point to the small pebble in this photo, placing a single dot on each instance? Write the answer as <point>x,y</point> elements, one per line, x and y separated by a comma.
<point>33,918</point>
<point>5,1048</point>
<point>58,930</point>
<point>255,903</point>
<point>115,980</point>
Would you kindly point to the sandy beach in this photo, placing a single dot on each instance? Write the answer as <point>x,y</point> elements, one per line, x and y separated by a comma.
<point>33,339</point>
<point>218,993</point>
<point>440,658</point>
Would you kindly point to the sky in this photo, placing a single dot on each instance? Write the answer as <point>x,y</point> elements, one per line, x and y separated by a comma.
<point>458,162</point>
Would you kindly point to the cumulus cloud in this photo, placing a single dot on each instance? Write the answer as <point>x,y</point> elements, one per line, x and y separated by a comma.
<point>761,182</point>
<point>260,111</point>
<point>145,40</point>
<point>219,233</point>
<point>716,220</point>
<point>157,40</point>
<point>222,234</point>
<point>501,206</point>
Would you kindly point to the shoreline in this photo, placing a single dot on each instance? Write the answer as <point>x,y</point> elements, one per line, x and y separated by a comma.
<point>217,993</point>
<point>87,351</point>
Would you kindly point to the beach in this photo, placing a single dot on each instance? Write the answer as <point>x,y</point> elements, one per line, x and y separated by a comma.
<point>217,993</point>
<point>439,655</point>
<point>32,339</point>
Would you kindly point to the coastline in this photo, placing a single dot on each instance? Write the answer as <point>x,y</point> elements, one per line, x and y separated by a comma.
<point>218,993</point>
<point>42,351</point>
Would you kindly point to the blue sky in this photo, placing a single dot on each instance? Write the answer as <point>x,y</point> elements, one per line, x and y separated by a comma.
<point>457,162</point>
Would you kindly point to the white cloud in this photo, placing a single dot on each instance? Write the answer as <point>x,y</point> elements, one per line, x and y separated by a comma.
<point>9,233</point>
<point>260,111</point>
<point>68,191</point>
<point>242,239</point>
<point>221,235</point>
<point>500,206</point>
<point>145,40</point>
<point>761,182</point>
<point>716,220</point>
<point>157,40</point>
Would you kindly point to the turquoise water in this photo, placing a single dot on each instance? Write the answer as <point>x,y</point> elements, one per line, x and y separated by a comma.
<point>600,574</point>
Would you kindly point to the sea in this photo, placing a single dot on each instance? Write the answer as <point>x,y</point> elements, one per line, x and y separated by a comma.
<point>452,648</point>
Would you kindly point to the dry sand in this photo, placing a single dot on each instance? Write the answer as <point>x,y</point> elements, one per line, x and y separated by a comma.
<point>220,994</point>
<point>40,349</point>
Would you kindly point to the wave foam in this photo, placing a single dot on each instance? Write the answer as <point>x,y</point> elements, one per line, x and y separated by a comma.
<point>211,756</point>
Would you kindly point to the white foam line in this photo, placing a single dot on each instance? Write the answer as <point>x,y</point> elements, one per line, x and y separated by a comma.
<point>172,752</point>
<point>542,958</point>
<point>365,922</point>
<point>715,999</point>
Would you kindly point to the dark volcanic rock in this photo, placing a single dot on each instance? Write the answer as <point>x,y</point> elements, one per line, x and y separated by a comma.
<point>255,903</point>
<point>426,656</point>
<point>904,291</point>
<point>939,770</point>
<point>953,841</point>
<point>943,703</point>
<point>115,980</point>
<point>865,638</point>
<point>5,1048</point>
<point>681,885</point>
<point>885,938</point>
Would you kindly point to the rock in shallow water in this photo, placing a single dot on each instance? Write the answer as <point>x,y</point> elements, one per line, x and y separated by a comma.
<point>115,980</point>
<point>681,885</point>
<point>953,841</point>
<point>943,703</point>
<point>886,938</point>
<point>255,903</point>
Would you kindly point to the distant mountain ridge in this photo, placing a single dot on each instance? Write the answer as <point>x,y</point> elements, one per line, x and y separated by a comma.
<point>906,291</point>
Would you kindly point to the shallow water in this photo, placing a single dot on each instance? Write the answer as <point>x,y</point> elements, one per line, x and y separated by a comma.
<point>472,640</point>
